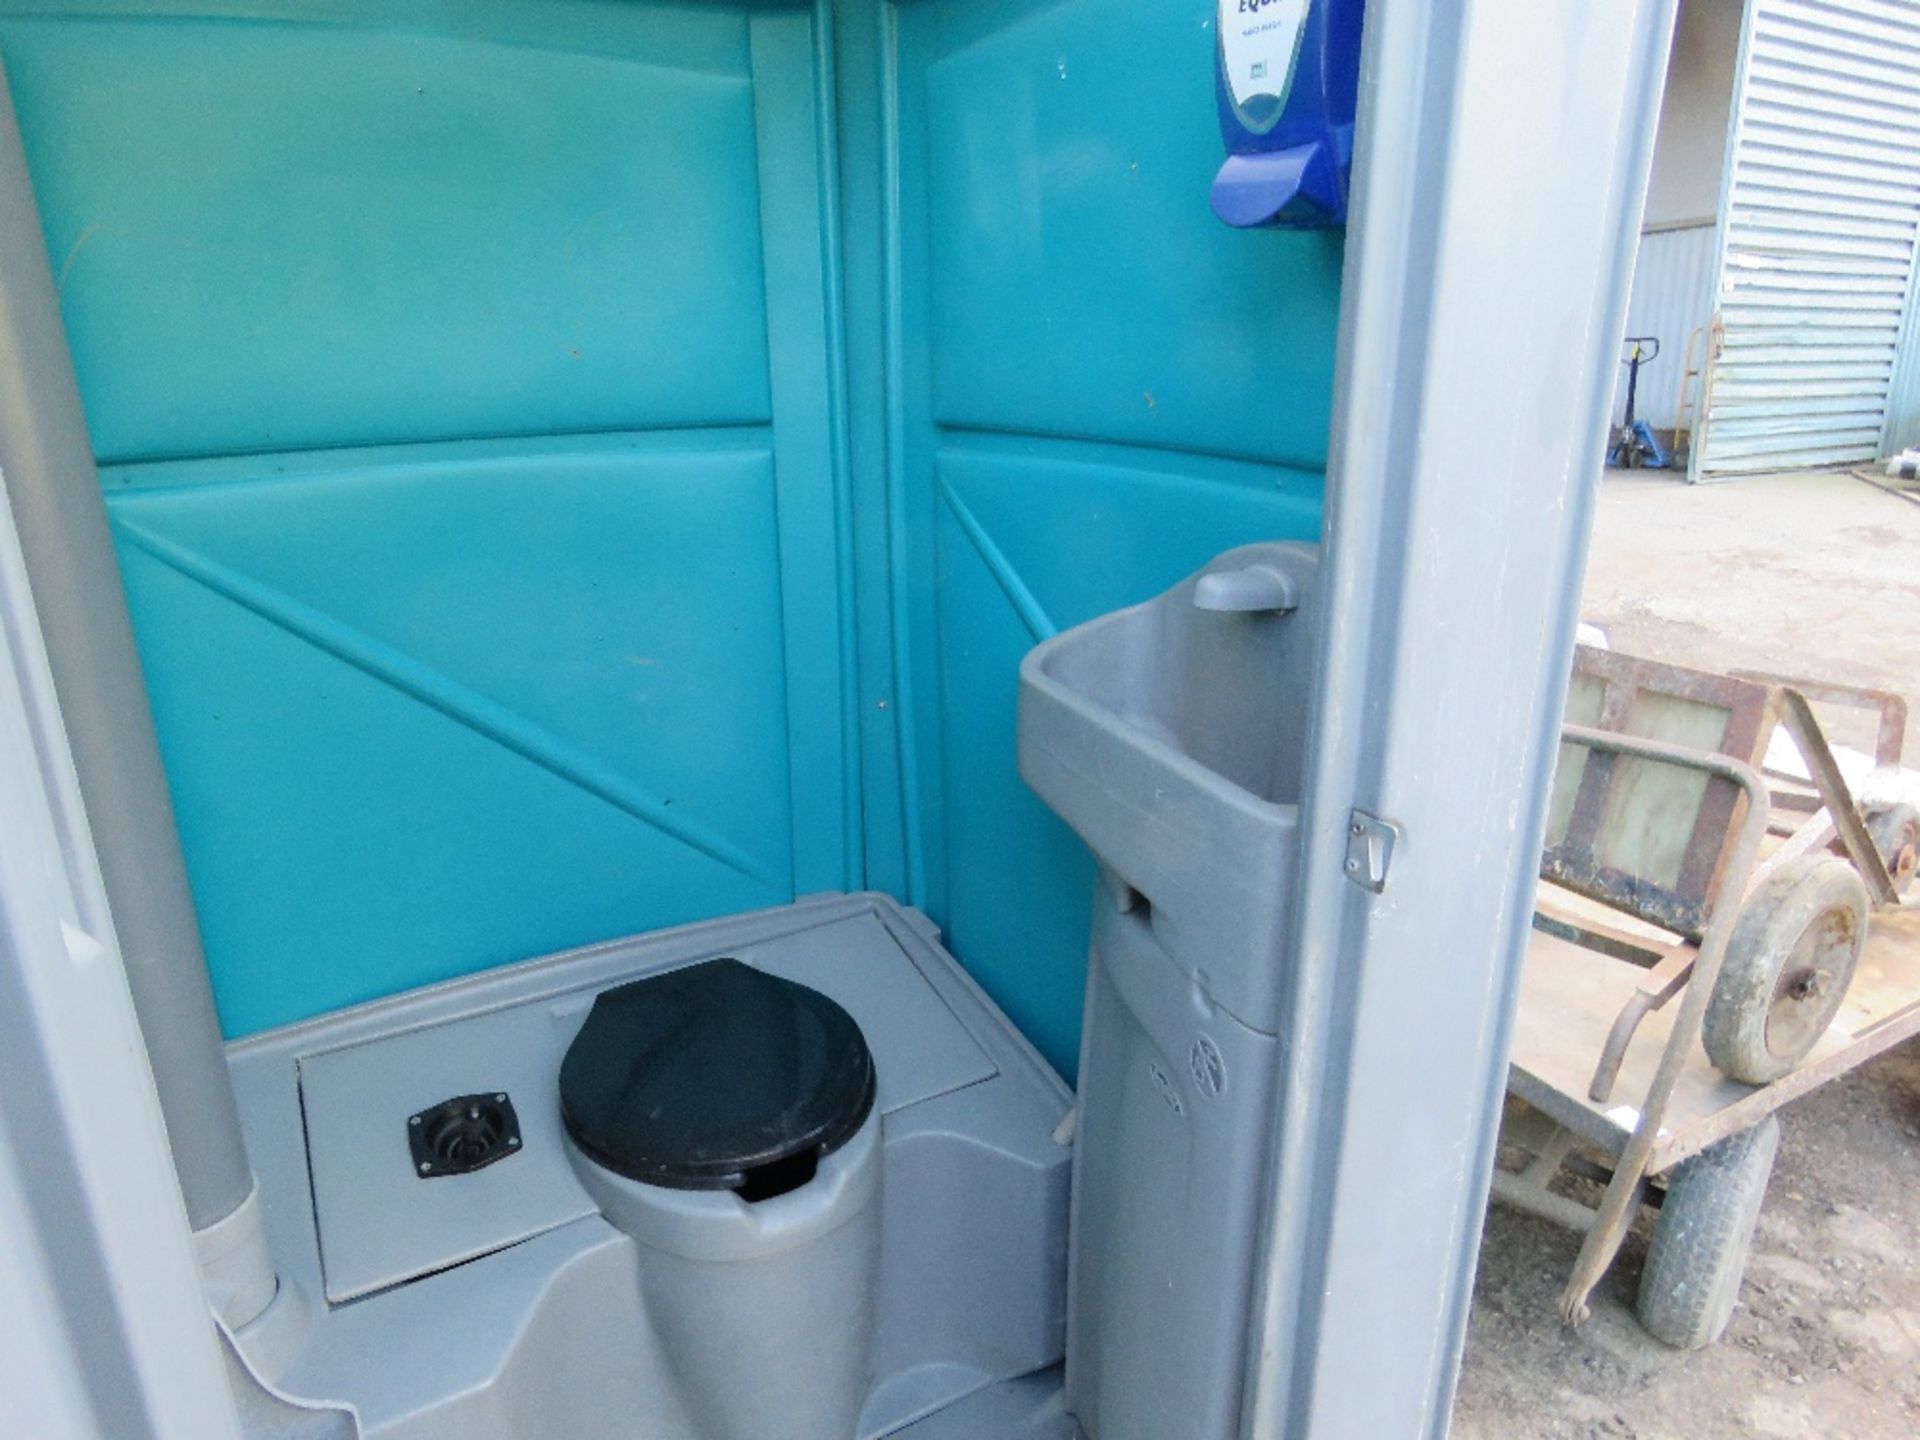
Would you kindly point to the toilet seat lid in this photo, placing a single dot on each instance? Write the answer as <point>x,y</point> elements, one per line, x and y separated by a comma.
<point>694,1078</point>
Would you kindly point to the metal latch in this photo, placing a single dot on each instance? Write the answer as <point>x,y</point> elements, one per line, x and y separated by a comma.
<point>1370,842</point>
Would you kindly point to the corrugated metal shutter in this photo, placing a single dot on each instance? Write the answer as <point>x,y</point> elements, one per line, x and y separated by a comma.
<point>1672,298</point>
<point>1819,231</point>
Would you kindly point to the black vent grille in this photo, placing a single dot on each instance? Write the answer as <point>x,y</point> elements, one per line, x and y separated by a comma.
<point>461,1135</point>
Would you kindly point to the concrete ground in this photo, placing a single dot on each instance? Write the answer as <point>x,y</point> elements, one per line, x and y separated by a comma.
<point>1816,574</point>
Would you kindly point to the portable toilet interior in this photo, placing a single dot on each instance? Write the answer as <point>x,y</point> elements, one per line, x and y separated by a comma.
<point>582,468</point>
<point>585,476</point>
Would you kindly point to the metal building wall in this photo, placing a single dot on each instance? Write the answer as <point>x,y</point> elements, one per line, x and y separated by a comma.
<point>1672,298</point>
<point>1818,235</point>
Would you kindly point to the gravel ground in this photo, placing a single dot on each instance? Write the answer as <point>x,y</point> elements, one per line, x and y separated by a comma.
<point>1825,1342</point>
<point>1816,574</point>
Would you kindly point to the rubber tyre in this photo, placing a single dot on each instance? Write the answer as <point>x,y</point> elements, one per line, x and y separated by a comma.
<point>1896,835</point>
<point>1788,964</point>
<point>1701,1240</point>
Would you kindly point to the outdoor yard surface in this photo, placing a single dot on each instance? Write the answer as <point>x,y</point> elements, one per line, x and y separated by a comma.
<point>1817,574</point>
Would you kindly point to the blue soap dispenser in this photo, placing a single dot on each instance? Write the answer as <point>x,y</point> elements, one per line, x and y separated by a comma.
<point>1287,74</point>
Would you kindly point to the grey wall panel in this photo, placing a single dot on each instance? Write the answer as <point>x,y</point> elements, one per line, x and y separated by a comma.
<point>1820,224</point>
<point>1672,298</point>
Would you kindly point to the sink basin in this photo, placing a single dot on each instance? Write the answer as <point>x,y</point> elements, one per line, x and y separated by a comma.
<point>1171,736</point>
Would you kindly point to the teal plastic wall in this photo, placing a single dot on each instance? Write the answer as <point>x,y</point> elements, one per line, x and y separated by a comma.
<point>582,467</point>
<point>1101,388</point>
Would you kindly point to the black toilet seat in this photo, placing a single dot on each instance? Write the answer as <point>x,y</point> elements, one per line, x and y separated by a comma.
<point>717,1076</point>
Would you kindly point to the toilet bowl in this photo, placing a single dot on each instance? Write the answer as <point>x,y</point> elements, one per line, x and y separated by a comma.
<point>724,1119</point>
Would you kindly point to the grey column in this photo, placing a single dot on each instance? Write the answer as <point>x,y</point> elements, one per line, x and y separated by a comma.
<point>1499,171</point>
<point>47,462</point>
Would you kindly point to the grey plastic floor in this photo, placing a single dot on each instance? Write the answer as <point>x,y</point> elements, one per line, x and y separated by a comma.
<point>501,1306</point>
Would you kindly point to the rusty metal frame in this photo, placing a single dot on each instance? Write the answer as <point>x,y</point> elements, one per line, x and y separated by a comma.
<point>1574,861</point>
<point>1660,984</point>
<point>1831,809</point>
<point>1842,813</point>
<point>1890,736</point>
<point>1737,859</point>
<point>1688,968</point>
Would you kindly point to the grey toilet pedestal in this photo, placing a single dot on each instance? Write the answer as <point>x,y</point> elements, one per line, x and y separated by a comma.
<point>761,1308</point>
<point>1171,736</point>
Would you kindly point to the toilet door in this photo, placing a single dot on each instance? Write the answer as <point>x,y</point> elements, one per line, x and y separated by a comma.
<point>100,1297</point>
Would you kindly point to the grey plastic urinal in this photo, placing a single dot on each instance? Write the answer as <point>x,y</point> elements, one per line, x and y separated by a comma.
<point>1171,737</point>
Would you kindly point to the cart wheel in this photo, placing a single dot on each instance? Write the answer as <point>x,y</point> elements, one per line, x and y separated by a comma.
<point>1896,835</point>
<point>1787,968</point>
<point>1700,1242</point>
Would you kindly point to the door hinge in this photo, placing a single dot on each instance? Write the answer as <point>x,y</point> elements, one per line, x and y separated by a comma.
<point>1370,842</point>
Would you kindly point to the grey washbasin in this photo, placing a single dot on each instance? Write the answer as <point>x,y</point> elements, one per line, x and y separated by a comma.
<point>1171,736</point>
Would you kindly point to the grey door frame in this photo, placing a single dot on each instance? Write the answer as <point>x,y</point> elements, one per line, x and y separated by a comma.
<point>1501,175</point>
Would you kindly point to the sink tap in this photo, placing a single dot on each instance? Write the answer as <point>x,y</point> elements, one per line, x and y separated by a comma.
<point>1253,588</point>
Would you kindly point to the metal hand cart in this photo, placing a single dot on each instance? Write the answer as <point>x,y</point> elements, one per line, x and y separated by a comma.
<point>1709,943</point>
